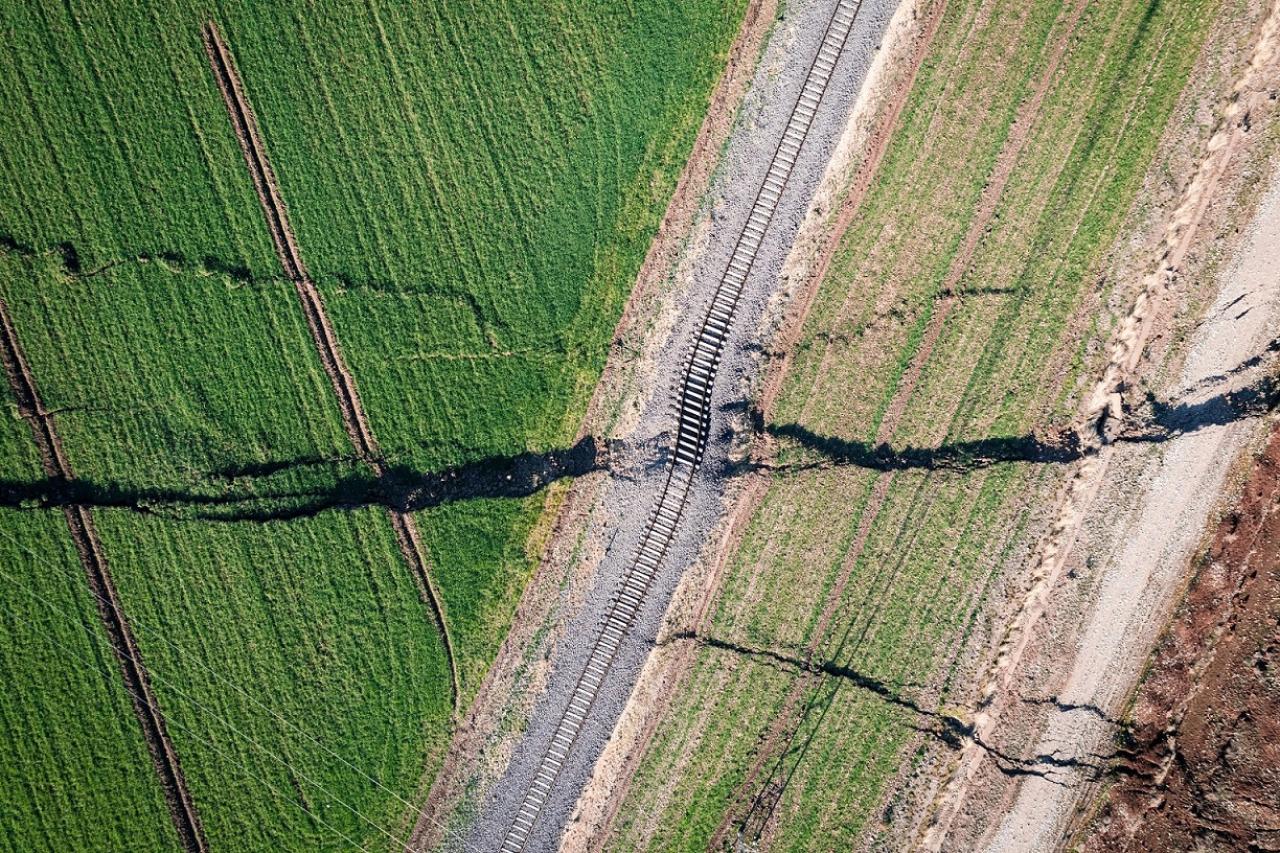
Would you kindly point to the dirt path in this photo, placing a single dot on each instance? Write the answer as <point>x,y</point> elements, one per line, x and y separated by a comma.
<point>137,682</point>
<point>1173,510</point>
<point>1154,548</point>
<point>322,333</point>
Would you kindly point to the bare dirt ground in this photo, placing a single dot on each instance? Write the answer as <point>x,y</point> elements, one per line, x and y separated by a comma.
<point>1145,570</point>
<point>1113,560</point>
<point>1201,760</point>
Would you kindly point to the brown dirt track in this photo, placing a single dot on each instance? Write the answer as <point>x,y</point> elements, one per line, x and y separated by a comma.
<point>137,682</point>
<point>1145,329</point>
<point>1202,765</point>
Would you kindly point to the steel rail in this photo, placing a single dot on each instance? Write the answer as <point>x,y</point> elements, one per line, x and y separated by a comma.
<point>693,405</point>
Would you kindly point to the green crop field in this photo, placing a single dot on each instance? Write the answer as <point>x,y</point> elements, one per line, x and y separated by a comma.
<point>56,663</point>
<point>1011,357</point>
<point>473,193</point>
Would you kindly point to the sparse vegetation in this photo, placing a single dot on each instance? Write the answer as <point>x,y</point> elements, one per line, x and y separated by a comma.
<point>900,561</point>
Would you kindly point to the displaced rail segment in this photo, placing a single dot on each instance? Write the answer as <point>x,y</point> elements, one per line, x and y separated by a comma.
<point>137,682</point>
<point>326,341</point>
<point>693,404</point>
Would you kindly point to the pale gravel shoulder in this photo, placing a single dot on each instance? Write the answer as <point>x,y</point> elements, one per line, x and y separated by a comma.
<point>1137,584</point>
<point>621,513</point>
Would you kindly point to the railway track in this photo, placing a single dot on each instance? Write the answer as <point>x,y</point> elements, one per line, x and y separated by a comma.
<point>693,406</point>
<point>354,418</point>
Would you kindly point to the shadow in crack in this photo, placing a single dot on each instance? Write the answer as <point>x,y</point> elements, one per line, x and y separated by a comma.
<point>1155,422</point>
<point>956,456</point>
<point>948,729</point>
<point>350,486</point>
<point>864,682</point>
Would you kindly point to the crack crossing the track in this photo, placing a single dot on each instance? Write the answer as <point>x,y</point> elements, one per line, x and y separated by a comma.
<point>137,682</point>
<point>693,401</point>
<point>354,418</point>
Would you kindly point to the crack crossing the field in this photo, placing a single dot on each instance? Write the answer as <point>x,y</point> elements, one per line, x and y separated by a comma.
<point>241,495</point>
<point>948,728</point>
<point>133,671</point>
<point>244,492</point>
<point>1153,421</point>
<point>70,266</point>
<point>326,342</point>
<point>763,805</point>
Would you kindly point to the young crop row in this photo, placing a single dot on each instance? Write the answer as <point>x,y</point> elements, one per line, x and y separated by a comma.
<point>889,595</point>
<point>72,744</point>
<point>311,696</point>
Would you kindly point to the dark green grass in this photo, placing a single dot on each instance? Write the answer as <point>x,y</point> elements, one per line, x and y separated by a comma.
<point>473,188</point>
<point>311,696</point>
<point>74,769</point>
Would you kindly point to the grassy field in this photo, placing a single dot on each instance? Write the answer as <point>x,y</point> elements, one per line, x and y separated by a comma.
<point>294,660</point>
<point>473,191</point>
<point>54,656</point>
<point>312,673</point>
<point>525,184</point>
<point>1009,357</point>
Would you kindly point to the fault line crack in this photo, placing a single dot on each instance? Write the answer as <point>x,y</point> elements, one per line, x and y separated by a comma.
<point>946,727</point>
<point>1148,420</point>
<point>71,268</point>
<point>229,494</point>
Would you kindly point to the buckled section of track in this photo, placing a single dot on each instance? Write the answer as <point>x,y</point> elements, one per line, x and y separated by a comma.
<point>693,402</point>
